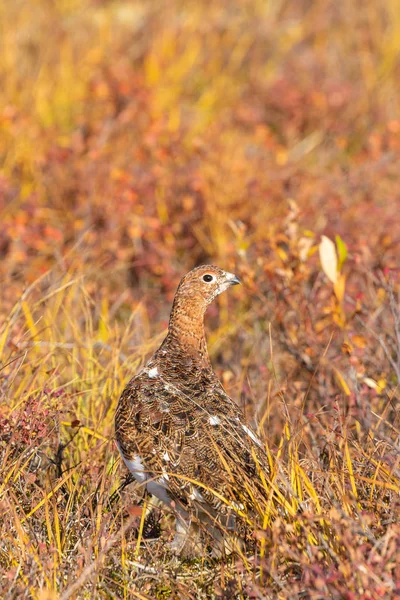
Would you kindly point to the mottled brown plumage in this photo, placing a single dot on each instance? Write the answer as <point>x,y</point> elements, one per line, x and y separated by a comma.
<point>178,431</point>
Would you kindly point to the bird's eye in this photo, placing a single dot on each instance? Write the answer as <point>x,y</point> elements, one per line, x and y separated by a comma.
<point>208,278</point>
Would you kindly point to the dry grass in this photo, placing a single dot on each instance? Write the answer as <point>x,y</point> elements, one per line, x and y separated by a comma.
<point>137,140</point>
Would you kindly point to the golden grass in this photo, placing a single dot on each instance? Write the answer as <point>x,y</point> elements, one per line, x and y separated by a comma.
<point>137,140</point>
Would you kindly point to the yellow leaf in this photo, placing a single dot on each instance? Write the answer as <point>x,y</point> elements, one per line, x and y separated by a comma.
<point>342,382</point>
<point>328,257</point>
<point>338,288</point>
<point>282,254</point>
<point>342,251</point>
<point>359,341</point>
<point>381,383</point>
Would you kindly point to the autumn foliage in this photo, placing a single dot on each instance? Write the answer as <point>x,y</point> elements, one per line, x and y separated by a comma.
<point>137,140</point>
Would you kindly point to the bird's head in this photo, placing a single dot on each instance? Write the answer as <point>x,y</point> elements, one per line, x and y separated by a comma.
<point>195,292</point>
<point>205,283</point>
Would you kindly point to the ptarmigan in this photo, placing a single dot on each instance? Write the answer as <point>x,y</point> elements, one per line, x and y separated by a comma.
<point>178,431</point>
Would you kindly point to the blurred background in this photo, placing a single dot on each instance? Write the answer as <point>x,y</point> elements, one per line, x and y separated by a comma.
<point>140,139</point>
<point>161,136</point>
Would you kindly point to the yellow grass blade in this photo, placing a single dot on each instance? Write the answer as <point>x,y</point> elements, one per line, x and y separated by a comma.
<point>48,496</point>
<point>29,319</point>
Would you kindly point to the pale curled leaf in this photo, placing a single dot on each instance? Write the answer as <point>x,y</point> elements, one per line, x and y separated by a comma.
<point>328,257</point>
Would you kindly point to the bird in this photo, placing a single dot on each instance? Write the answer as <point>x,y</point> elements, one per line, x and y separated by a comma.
<point>179,433</point>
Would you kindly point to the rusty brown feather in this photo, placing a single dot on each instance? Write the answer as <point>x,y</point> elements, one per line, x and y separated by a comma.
<point>177,430</point>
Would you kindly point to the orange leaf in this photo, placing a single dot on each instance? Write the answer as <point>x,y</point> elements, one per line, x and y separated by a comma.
<point>135,510</point>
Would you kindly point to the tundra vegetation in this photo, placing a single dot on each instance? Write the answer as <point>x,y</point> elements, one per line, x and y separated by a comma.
<point>137,140</point>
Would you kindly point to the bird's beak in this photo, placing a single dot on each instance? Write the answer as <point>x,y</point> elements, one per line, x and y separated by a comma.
<point>233,279</point>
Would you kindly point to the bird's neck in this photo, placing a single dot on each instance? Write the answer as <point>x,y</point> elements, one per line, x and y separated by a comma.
<point>186,328</point>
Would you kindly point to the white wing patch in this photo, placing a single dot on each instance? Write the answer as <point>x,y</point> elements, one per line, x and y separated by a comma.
<point>159,488</point>
<point>136,467</point>
<point>153,373</point>
<point>214,420</point>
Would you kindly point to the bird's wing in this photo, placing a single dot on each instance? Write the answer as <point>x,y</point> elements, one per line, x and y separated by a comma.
<point>198,442</point>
